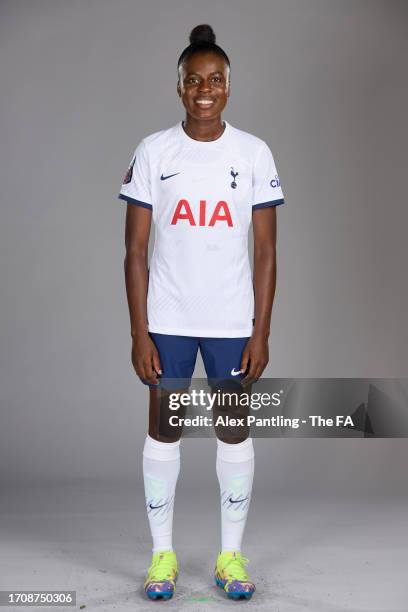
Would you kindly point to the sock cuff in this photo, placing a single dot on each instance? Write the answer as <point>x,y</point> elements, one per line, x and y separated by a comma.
<point>162,451</point>
<point>235,453</point>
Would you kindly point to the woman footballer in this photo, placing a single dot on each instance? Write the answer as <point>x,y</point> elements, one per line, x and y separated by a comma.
<point>202,181</point>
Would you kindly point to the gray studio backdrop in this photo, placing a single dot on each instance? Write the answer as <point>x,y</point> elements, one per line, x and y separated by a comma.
<point>324,83</point>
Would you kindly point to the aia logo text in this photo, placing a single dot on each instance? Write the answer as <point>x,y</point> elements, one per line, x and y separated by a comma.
<point>220,213</point>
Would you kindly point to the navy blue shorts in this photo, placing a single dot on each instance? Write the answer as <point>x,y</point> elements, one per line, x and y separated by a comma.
<point>178,355</point>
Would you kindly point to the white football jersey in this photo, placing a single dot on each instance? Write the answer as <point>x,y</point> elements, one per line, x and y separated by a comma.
<point>201,195</point>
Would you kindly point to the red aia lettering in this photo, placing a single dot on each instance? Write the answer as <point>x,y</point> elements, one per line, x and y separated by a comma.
<point>183,211</point>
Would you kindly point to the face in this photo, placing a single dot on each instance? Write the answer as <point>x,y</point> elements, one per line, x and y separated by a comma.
<point>203,85</point>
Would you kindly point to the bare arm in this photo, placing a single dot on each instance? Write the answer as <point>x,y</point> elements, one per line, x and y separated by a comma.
<point>256,352</point>
<point>145,357</point>
<point>264,227</point>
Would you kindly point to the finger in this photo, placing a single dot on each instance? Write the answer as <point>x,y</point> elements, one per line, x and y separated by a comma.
<point>156,363</point>
<point>151,375</point>
<point>246,380</point>
<point>244,360</point>
<point>258,372</point>
<point>250,377</point>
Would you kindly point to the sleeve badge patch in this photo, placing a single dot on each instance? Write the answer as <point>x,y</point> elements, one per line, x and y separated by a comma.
<point>129,173</point>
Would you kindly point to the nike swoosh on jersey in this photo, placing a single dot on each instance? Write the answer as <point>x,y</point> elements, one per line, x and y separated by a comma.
<point>163,178</point>
<point>235,373</point>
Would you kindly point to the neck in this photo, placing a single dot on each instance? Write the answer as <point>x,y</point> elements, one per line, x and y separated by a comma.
<point>205,130</point>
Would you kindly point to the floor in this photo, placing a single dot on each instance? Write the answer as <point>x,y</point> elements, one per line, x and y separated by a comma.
<point>320,554</point>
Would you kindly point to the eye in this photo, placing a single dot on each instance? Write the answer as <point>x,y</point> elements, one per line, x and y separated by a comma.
<point>217,78</point>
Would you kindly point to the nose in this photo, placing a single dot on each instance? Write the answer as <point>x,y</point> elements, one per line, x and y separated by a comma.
<point>205,86</point>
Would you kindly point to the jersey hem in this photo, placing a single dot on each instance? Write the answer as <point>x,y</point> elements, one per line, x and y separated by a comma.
<point>202,333</point>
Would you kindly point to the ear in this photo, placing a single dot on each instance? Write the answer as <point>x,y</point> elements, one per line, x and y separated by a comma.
<point>178,89</point>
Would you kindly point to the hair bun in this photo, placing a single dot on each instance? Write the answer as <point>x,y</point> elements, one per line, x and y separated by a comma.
<point>202,33</point>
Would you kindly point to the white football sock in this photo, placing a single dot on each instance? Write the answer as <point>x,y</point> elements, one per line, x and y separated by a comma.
<point>161,467</point>
<point>235,470</point>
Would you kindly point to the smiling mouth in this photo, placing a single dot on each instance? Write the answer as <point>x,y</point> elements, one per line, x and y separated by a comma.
<point>204,102</point>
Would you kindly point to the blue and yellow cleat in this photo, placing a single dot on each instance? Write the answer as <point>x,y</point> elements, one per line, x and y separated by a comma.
<point>162,575</point>
<point>231,576</point>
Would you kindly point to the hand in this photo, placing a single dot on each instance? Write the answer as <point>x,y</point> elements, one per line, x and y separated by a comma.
<point>256,353</point>
<point>145,358</point>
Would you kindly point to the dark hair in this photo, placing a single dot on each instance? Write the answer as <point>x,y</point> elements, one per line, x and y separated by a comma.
<point>202,38</point>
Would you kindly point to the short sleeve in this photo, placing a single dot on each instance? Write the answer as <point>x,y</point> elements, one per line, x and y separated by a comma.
<point>136,182</point>
<point>267,190</point>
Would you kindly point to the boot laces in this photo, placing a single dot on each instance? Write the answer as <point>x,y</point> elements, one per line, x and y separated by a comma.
<point>236,568</point>
<point>162,568</point>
